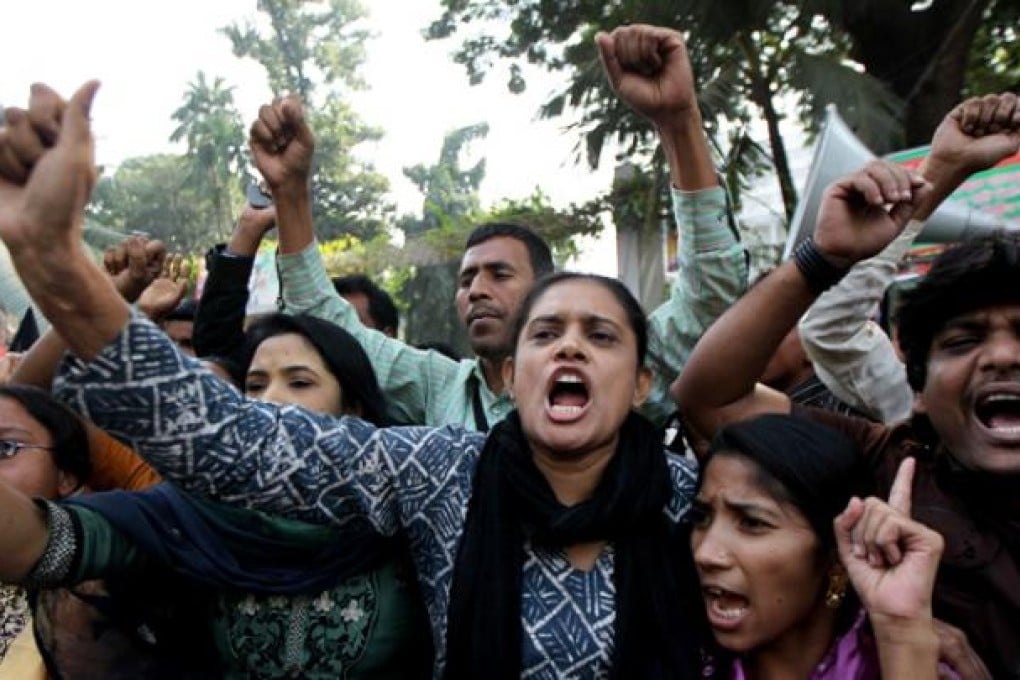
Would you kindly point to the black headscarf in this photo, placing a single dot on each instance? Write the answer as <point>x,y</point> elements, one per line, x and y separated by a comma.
<point>511,502</point>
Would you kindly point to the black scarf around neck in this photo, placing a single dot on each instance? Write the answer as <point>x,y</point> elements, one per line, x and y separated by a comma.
<point>511,502</point>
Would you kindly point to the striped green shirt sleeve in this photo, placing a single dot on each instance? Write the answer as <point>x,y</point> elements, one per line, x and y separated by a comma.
<point>712,275</point>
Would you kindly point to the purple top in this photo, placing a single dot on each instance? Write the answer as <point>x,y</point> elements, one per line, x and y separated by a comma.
<point>853,656</point>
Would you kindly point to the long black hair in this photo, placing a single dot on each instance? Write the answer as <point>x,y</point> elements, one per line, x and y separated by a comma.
<point>803,463</point>
<point>342,354</point>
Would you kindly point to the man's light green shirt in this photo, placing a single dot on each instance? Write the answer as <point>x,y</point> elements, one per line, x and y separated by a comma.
<point>424,387</point>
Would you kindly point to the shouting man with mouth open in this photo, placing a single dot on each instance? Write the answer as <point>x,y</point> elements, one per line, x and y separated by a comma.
<point>960,332</point>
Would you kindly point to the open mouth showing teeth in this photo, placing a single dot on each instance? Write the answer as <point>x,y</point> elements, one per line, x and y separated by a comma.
<point>724,604</point>
<point>568,395</point>
<point>999,412</point>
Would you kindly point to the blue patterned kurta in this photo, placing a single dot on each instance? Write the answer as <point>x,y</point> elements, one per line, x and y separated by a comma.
<point>204,436</point>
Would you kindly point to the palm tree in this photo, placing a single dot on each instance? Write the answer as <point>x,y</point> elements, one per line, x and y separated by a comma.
<point>210,125</point>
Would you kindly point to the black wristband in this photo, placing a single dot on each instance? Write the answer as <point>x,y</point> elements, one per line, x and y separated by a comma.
<point>819,272</point>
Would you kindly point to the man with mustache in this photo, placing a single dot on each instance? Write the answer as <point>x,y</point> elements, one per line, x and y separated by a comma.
<point>649,69</point>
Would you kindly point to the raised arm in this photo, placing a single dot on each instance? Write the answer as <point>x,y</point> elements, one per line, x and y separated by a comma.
<point>134,265</point>
<point>415,382</point>
<point>649,68</point>
<point>719,382</point>
<point>282,145</point>
<point>204,436</point>
<point>851,354</point>
<point>133,382</point>
<point>47,172</point>
<point>219,319</point>
<point>853,357</point>
<point>114,466</point>
<point>974,136</point>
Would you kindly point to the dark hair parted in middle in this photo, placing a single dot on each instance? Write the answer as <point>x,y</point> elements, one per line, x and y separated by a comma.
<point>343,355</point>
<point>635,315</point>
<point>965,278</point>
<point>811,466</point>
<point>538,250</point>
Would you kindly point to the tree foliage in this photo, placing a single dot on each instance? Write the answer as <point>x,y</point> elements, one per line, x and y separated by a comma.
<point>421,274</point>
<point>310,47</point>
<point>155,194</point>
<point>452,207</point>
<point>994,64</point>
<point>747,56</point>
<point>314,48</point>
<point>185,200</point>
<point>448,189</point>
<point>208,121</point>
<point>449,202</point>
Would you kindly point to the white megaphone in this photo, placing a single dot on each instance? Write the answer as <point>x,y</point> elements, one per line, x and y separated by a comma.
<point>838,153</point>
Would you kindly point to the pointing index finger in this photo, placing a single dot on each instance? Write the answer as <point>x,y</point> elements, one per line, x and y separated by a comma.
<point>902,486</point>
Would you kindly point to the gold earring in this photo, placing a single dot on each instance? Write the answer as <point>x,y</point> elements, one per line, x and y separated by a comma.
<point>836,592</point>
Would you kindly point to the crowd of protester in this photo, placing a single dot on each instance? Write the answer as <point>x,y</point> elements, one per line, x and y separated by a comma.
<point>188,492</point>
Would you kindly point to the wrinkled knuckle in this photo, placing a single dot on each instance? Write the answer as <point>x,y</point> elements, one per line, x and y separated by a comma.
<point>872,503</point>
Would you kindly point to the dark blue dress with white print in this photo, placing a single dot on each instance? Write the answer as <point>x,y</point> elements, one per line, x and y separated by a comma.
<point>205,437</point>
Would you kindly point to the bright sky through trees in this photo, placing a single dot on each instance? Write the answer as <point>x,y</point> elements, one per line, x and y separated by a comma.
<point>146,52</point>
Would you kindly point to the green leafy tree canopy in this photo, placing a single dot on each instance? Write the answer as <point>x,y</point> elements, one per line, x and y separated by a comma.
<point>314,48</point>
<point>209,123</point>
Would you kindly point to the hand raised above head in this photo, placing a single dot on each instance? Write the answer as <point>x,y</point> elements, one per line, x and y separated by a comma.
<point>282,145</point>
<point>134,263</point>
<point>30,132</point>
<point>257,220</point>
<point>648,67</point>
<point>46,111</point>
<point>44,183</point>
<point>251,226</point>
<point>975,135</point>
<point>863,212</point>
<point>166,291</point>
<point>23,145</point>
<point>988,115</point>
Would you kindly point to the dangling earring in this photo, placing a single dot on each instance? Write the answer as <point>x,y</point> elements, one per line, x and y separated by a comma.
<point>836,591</point>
